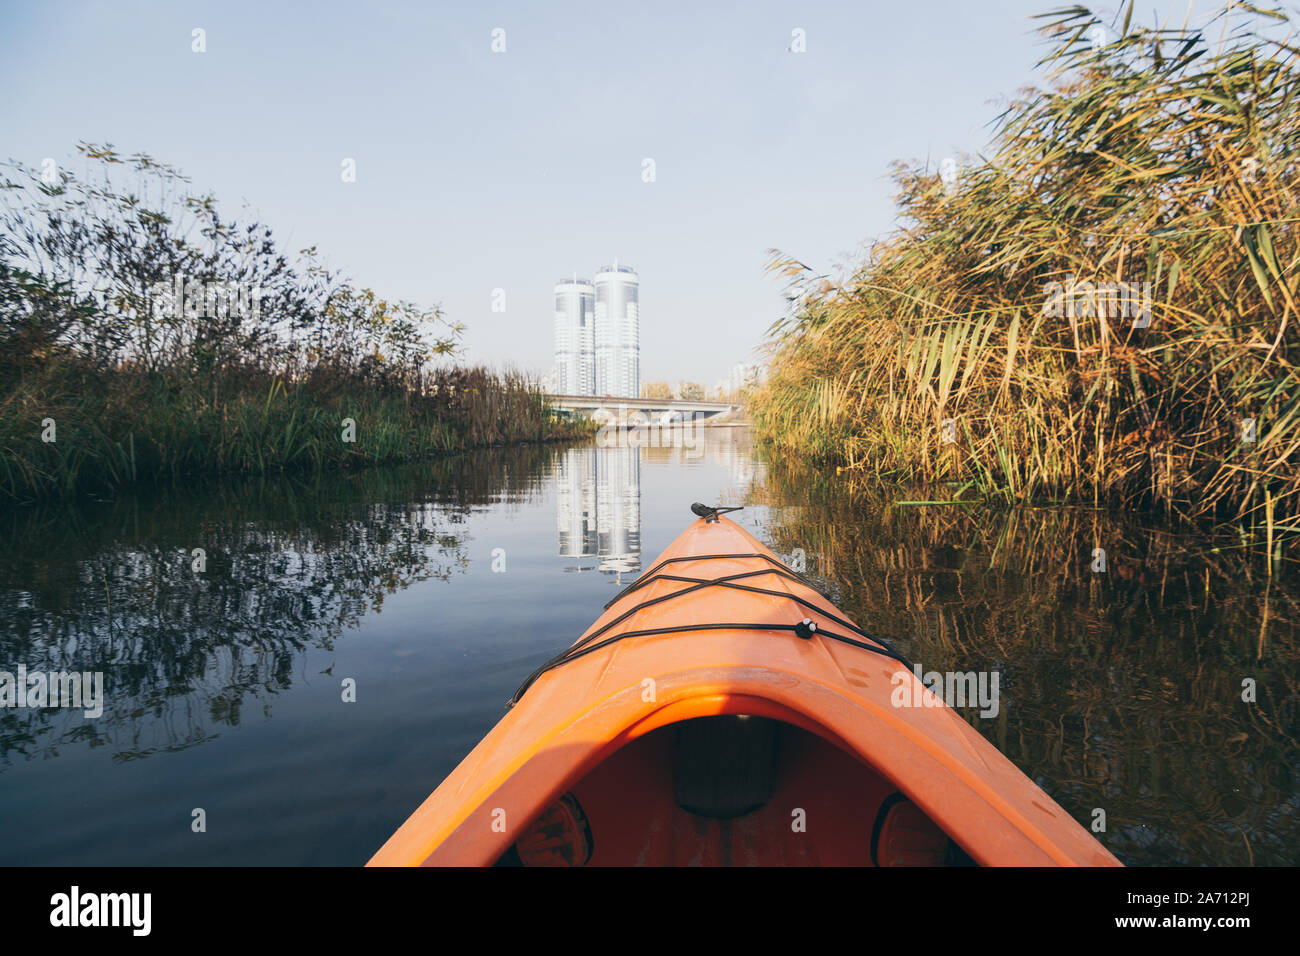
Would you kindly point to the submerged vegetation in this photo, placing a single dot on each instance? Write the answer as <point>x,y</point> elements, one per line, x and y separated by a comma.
<point>143,336</point>
<point>1103,310</point>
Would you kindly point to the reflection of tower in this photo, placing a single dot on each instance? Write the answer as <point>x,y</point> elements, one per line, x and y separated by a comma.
<point>617,339</point>
<point>598,506</point>
<point>575,508</point>
<point>618,509</point>
<point>574,337</point>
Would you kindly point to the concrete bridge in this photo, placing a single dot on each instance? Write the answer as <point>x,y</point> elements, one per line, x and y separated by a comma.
<point>647,411</point>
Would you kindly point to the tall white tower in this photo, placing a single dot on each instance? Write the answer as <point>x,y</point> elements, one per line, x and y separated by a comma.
<point>618,332</point>
<point>574,337</point>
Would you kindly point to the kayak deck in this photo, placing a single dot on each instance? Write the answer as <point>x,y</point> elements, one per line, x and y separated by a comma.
<point>805,802</point>
<point>722,711</point>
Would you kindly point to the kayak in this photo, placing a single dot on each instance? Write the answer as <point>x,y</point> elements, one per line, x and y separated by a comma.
<point>723,711</point>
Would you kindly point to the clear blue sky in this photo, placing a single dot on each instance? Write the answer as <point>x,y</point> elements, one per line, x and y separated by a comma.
<point>478,171</point>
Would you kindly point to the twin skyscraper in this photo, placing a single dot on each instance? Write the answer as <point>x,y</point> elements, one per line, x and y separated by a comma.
<point>598,334</point>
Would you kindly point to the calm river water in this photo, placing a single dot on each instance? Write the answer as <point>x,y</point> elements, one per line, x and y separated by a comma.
<point>437,588</point>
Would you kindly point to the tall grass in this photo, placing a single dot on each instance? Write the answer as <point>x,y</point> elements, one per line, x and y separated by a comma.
<point>126,427</point>
<point>1167,156</point>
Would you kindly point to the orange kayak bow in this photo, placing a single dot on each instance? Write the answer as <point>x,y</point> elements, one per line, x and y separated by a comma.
<point>722,711</point>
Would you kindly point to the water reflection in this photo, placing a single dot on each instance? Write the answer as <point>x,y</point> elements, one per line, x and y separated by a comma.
<point>1121,691</point>
<point>598,487</point>
<point>598,507</point>
<point>289,565</point>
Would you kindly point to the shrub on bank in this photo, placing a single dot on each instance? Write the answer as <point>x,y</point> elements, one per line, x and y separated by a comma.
<point>143,335</point>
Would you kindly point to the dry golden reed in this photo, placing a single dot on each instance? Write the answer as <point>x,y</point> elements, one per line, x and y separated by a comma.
<point>1102,308</point>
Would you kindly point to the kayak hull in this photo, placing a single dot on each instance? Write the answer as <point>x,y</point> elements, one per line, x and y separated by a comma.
<point>847,730</point>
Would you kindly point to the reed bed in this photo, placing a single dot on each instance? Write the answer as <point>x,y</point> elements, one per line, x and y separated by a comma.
<point>126,427</point>
<point>1102,309</point>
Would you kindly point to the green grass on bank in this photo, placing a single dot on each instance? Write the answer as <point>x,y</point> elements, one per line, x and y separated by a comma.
<point>110,430</point>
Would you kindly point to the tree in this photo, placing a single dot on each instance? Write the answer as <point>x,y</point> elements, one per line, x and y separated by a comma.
<point>690,391</point>
<point>659,391</point>
<point>154,276</point>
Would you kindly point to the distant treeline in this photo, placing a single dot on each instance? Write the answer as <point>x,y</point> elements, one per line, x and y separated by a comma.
<point>143,336</point>
<point>1102,308</point>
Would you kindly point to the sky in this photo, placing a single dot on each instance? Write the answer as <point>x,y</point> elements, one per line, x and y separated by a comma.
<point>479,170</point>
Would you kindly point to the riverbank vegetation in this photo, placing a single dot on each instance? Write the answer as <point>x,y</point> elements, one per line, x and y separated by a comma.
<point>143,336</point>
<point>1102,309</point>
